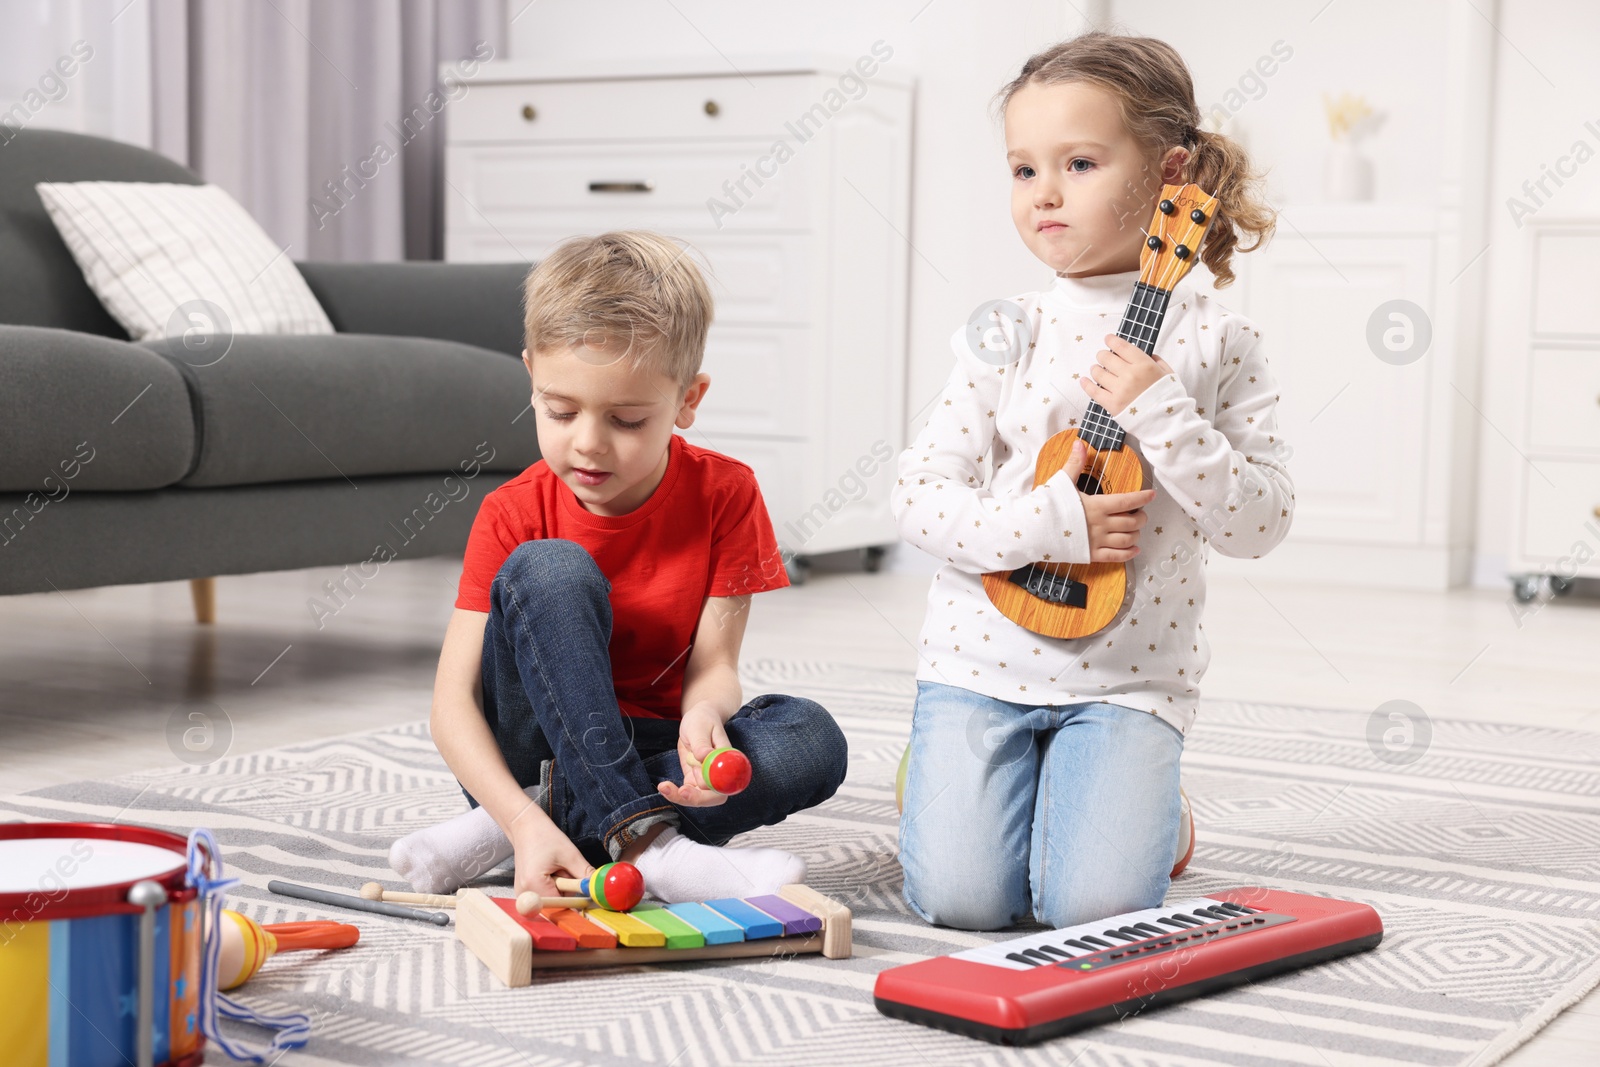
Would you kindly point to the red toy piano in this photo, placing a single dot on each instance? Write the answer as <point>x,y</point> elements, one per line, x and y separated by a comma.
<point>1046,984</point>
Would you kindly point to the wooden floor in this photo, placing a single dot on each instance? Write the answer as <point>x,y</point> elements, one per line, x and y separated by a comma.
<point>97,682</point>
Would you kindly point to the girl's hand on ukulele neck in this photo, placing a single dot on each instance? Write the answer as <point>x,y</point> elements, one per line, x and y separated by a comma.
<point>1122,371</point>
<point>1114,519</point>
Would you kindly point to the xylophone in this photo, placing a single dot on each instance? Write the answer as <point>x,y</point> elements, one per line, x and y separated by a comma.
<point>796,919</point>
<point>1046,984</point>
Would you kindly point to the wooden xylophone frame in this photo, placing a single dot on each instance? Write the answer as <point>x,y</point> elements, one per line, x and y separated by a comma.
<point>507,949</point>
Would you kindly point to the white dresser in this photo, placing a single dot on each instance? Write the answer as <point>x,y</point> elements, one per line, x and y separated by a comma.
<point>789,178</point>
<point>1555,507</point>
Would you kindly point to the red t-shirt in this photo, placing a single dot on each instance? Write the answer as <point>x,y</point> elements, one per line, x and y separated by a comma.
<point>704,532</point>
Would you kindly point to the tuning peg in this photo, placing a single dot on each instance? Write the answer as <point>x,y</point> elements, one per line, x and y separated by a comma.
<point>1182,251</point>
<point>1166,206</point>
<point>1154,243</point>
<point>1198,217</point>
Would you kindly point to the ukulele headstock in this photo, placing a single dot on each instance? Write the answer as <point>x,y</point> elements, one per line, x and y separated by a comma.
<point>1173,245</point>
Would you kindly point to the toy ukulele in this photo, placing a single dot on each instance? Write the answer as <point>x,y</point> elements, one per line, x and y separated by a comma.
<point>1079,599</point>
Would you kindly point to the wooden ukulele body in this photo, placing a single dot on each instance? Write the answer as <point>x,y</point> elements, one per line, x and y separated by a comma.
<point>1111,471</point>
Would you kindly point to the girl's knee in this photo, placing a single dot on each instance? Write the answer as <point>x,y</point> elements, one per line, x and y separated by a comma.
<point>962,902</point>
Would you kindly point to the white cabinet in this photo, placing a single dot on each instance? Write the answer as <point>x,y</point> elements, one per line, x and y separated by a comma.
<point>1380,444</point>
<point>792,194</point>
<point>1555,506</point>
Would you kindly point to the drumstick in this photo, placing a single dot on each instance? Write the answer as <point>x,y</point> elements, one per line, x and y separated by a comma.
<point>344,900</point>
<point>375,891</point>
<point>528,903</point>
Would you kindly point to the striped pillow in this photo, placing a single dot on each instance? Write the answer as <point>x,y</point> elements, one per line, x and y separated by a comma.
<point>157,254</point>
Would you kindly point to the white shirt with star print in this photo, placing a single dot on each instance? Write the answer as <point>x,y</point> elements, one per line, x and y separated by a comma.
<point>1210,447</point>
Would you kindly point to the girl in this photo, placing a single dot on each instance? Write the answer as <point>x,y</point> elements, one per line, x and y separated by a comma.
<point>1043,773</point>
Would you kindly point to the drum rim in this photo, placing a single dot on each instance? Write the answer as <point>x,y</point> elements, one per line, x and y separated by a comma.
<point>97,899</point>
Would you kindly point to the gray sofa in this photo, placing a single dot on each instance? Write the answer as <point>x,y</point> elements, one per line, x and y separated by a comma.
<point>136,462</point>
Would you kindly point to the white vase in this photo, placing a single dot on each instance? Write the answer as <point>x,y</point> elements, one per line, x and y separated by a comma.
<point>1346,174</point>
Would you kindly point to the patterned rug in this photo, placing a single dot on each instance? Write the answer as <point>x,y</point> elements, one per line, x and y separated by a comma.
<point>1480,857</point>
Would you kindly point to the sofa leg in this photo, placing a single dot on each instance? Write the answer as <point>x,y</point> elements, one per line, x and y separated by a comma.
<point>204,593</point>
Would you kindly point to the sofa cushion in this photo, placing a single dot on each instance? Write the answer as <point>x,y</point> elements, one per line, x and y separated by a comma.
<point>169,258</point>
<point>40,283</point>
<point>82,412</point>
<point>277,408</point>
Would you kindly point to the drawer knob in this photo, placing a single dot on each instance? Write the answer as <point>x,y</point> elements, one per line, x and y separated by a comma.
<point>528,112</point>
<point>712,108</point>
<point>621,187</point>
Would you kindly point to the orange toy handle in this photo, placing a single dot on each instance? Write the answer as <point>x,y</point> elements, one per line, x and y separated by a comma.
<point>296,937</point>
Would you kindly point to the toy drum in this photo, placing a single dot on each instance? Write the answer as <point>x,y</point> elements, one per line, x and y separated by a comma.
<point>99,947</point>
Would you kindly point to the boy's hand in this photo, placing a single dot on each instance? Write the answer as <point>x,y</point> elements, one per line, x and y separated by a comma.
<point>1123,371</point>
<point>1114,519</point>
<point>542,853</point>
<point>700,731</point>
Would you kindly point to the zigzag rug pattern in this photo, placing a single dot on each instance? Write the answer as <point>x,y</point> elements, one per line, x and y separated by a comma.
<point>1480,857</point>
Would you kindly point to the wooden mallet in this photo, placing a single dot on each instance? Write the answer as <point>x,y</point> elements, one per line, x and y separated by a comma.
<point>375,891</point>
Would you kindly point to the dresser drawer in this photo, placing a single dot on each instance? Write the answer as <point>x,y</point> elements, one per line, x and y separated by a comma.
<point>642,109</point>
<point>759,381</point>
<point>675,189</point>
<point>1561,516</point>
<point>1564,400</point>
<point>1563,298</point>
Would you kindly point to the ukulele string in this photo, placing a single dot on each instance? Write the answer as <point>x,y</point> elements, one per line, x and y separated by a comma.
<point>1097,468</point>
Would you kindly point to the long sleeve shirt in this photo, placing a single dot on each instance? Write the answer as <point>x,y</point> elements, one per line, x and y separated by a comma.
<point>1209,445</point>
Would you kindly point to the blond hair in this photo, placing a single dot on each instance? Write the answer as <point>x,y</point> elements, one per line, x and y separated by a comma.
<point>1152,87</point>
<point>633,291</point>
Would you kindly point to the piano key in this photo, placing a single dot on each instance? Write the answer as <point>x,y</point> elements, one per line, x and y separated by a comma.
<point>757,924</point>
<point>1134,932</point>
<point>795,920</point>
<point>1020,958</point>
<point>1153,931</point>
<point>1237,909</point>
<point>1083,938</point>
<point>1120,936</point>
<point>713,927</point>
<point>1054,951</point>
<point>1034,953</point>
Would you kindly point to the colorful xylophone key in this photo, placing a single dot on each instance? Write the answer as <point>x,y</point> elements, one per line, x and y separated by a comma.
<point>795,920</point>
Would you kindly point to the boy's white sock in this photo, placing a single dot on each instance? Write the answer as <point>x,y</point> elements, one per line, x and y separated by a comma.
<point>677,870</point>
<point>443,858</point>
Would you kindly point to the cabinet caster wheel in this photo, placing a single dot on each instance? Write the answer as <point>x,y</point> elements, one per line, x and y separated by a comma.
<point>1561,586</point>
<point>1525,587</point>
<point>872,558</point>
<point>798,569</point>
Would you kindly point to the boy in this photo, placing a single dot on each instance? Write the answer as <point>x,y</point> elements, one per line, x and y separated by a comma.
<point>592,660</point>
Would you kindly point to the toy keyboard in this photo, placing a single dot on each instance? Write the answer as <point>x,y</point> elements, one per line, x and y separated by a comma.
<point>1050,983</point>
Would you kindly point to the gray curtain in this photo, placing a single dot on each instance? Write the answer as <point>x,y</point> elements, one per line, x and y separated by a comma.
<point>325,120</point>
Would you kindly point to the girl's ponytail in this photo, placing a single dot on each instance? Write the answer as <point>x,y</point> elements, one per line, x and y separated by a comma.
<point>1218,164</point>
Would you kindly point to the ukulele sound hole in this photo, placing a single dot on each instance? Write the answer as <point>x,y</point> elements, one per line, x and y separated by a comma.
<point>1088,483</point>
<point>1055,588</point>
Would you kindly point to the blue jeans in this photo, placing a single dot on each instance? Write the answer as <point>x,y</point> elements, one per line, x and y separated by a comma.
<point>548,699</point>
<point>1070,812</point>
